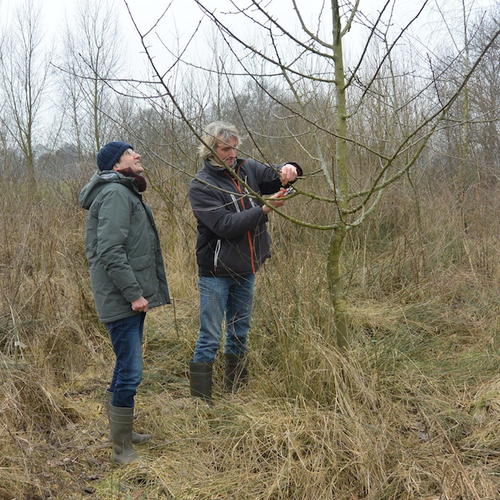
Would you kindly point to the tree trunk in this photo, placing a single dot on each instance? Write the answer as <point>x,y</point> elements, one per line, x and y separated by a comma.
<point>336,243</point>
<point>336,286</point>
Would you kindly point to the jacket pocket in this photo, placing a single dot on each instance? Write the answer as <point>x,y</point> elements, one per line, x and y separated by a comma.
<point>233,257</point>
<point>144,272</point>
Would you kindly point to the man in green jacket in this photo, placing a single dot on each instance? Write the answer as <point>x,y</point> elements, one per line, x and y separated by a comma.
<point>127,275</point>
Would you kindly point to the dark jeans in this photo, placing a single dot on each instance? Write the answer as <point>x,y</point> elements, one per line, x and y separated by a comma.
<point>126,337</point>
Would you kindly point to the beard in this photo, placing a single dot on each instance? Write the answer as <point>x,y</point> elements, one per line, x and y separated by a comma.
<point>142,183</point>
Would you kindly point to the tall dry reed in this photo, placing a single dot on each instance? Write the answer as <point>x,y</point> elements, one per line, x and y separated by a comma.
<point>410,411</point>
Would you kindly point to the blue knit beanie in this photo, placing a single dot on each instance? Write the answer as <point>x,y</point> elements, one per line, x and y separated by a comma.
<point>109,154</point>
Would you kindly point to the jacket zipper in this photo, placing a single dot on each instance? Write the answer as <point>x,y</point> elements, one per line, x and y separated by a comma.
<point>216,254</point>
<point>249,235</point>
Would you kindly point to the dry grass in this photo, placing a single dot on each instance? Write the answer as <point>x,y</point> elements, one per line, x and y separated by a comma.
<point>411,412</point>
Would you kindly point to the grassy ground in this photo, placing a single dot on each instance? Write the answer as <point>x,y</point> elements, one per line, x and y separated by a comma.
<point>411,411</point>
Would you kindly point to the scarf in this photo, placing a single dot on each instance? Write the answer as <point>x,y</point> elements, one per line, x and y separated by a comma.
<point>142,183</point>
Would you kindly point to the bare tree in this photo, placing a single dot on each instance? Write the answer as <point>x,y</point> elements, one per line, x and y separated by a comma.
<point>93,54</point>
<point>24,80</point>
<point>484,89</point>
<point>364,123</point>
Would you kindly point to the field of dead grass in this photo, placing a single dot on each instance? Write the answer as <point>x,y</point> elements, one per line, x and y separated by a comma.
<point>411,411</point>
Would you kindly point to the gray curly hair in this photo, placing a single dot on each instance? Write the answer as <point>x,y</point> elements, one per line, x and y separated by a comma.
<point>214,134</point>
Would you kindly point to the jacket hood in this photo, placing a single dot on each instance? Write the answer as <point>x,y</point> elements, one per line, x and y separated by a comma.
<point>100,180</point>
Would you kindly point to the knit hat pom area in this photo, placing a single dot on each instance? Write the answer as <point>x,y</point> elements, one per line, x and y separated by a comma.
<point>109,154</point>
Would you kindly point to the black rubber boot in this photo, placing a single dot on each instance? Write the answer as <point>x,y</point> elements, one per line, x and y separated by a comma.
<point>236,373</point>
<point>136,437</point>
<point>200,380</point>
<point>121,421</point>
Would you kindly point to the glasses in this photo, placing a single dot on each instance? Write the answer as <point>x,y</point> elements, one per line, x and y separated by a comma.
<point>131,152</point>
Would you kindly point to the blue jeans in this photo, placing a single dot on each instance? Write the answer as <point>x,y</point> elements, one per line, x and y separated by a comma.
<point>126,337</point>
<point>227,297</point>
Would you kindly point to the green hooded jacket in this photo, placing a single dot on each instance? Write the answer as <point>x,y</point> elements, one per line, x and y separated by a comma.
<point>122,247</point>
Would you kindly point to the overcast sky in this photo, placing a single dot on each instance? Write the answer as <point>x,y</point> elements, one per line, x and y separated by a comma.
<point>183,15</point>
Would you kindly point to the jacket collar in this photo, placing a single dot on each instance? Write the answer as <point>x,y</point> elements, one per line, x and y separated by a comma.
<point>211,166</point>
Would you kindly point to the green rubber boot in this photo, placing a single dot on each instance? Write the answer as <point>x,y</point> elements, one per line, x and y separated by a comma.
<point>236,373</point>
<point>121,421</point>
<point>200,380</point>
<point>136,437</point>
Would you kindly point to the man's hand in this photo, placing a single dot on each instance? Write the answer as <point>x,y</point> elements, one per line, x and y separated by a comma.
<point>140,304</point>
<point>276,204</point>
<point>288,174</point>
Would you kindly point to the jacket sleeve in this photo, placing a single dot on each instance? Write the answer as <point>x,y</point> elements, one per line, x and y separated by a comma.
<point>267,177</point>
<point>114,218</point>
<point>211,209</point>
